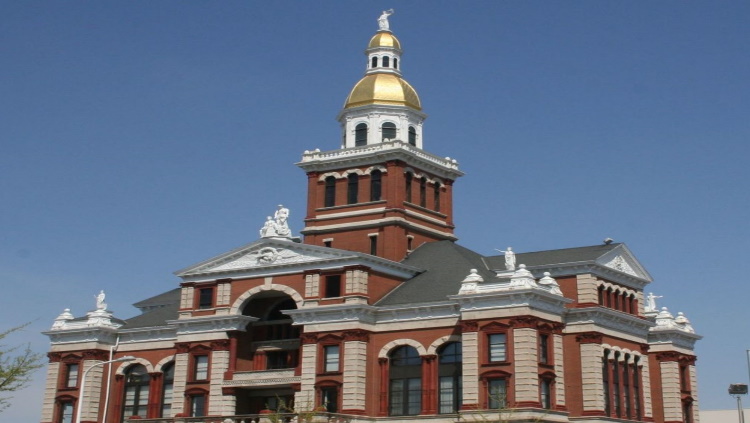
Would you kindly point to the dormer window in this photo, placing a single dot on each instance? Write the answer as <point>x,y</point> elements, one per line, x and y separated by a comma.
<point>360,134</point>
<point>389,131</point>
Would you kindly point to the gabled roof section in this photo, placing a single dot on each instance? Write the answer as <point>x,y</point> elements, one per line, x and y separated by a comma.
<point>270,256</point>
<point>446,264</point>
<point>616,256</point>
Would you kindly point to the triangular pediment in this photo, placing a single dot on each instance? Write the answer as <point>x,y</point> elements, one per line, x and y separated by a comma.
<point>622,260</point>
<point>282,256</point>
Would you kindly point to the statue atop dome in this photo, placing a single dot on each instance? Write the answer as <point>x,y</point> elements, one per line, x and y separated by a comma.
<point>383,20</point>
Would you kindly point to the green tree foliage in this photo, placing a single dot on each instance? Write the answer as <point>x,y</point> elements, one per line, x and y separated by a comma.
<point>16,366</point>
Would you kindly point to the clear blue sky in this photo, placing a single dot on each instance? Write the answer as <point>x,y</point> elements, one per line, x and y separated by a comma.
<point>141,137</point>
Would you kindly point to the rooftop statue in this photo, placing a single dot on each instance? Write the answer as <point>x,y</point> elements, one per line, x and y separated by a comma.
<point>100,304</point>
<point>277,226</point>
<point>383,20</point>
<point>651,302</point>
<point>510,259</point>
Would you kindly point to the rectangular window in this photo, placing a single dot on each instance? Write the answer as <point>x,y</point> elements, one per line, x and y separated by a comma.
<point>333,286</point>
<point>497,347</point>
<point>450,394</point>
<point>497,394</point>
<point>71,377</point>
<point>197,406</point>
<point>545,393</point>
<point>327,243</point>
<point>544,348</point>
<point>206,299</point>
<point>200,370</point>
<point>329,398</point>
<point>66,412</point>
<point>331,353</point>
<point>279,360</point>
<point>373,245</point>
<point>406,397</point>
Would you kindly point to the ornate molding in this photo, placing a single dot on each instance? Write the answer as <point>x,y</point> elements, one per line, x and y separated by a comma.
<point>468,326</point>
<point>309,338</point>
<point>524,322</point>
<point>182,347</point>
<point>221,345</point>
<point>54,357</point>
<point>668,356</point>
<point>357,335</point>
<point>589,338</point>
<point>94,355</point>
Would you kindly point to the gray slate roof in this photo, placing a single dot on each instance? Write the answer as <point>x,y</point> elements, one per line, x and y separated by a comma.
<point>158,310</point>
<point>552,257</point>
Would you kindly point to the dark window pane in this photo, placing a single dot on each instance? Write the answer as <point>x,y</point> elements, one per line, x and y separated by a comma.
<point>352,188</point>
<point>389,130</point>
<point>360,135</point>
<point>386,61</point>
<point>333,286</point>
<point>330,194</point>
<point>412,136</point>
<point>375,185</point>
<point>206,299</point>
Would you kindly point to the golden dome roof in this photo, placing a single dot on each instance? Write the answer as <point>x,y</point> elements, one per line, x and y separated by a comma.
<point>381,88</point>
<point>384,39</point>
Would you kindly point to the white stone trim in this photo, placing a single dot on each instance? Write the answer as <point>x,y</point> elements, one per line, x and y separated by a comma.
<point>381,168</point>
<point>163,362</point>
<point>89,403</point>
<point>242,299</point>
<point>384,221</point>
<point>432,349</point>
<point>694,392</point>
<point>346,173</point>
<point>399,342</point>
<point>558,354</point>
<point>138,360</point>
<point>591,377</point>
<point>50,390</point>
<point>309,363</point>
<point>325,176</point>
<point>216,403</point>
<point>180,382</point>
<point>354,389</point>
<point>670,390</point>
<point>470,367</point>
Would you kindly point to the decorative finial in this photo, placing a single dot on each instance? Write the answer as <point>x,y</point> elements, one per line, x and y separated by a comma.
<point>383,20</point>
<point>550,283</point>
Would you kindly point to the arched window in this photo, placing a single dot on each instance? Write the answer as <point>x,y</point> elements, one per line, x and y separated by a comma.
<point>375,185</point>
<point>167,390</point>
<point>136,392</point>
<point>386,61</point>
<point>405,382</point>
<point>374,62</point>
<point>408,186</point>
<point>437,197</point>
<point>330,194</point>
<point>423,191</point>
<point>412,136</point>
<point>360,135</point>
<point>395,63</point>
<point>352,188</point>
<point>389,131</point>
<point>449,378</point>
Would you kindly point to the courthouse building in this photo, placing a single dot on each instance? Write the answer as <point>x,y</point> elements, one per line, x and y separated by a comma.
<point>377,313</point>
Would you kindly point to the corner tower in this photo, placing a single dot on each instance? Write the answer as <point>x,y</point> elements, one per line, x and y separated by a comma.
<point>380,193</point>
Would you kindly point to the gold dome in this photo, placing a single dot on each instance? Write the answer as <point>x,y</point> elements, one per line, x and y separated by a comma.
<point>384,39</point>
<point>382,88</point>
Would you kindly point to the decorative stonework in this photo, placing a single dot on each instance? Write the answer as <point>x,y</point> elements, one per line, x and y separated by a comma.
<point>618,263</point>
<point>309,338</point>
<point>468,326</point>
<point>525,322</point>
<point>522,278</point>
<point>469,284</point>
<point>589,338</point>
<point>357,335</point>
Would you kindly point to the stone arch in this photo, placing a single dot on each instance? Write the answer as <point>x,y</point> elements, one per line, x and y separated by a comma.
<point>350,171</point>
<point>370,169</point>
<point>432,349</point>
<point>124,366</point>
<point>326,175</point>
<point>163,362</point>
<point>413,172</point>
<point>240,302</point>
<point>399,342</point>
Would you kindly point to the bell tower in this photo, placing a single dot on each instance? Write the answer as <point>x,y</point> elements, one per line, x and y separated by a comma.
<point>381,193</point>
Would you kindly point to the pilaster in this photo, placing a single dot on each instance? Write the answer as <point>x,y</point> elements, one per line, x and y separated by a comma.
<point>526,361</point>
<point>670,388</point>
<point>180,382</point>
<point>93,392</point>
<point>470,368</point>
<point>559,370</point>
<point>218,403</point>
<point>50,391</point>
<point>354,390</point>
<point>591,377</point>
<point>305,397</point>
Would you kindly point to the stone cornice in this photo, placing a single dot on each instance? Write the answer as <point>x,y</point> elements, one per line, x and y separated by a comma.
<point>321,161</point>
<point>596,269</point>
<point>368,314</point>
<point>104,335</point>
<point>606,318</point>
<point>207,324</point>
<point>153,333</point>
<point>534,298</point>
<point>676,337</point>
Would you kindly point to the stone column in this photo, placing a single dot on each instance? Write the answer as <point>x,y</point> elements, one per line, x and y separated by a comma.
<point>559,371</point>
<point>93,391</point>
<point>180,379</point>
<point>50,387</point>
<point>354,390</point>
<point>646,387</point>
<point>587,289</point>
<point>670,388</point>
<point>304,399</point>
<point>218,403</point>
<point>694,392</point>
<point>591,372</point>
<point>470,365</point>
<point>525,356</point>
